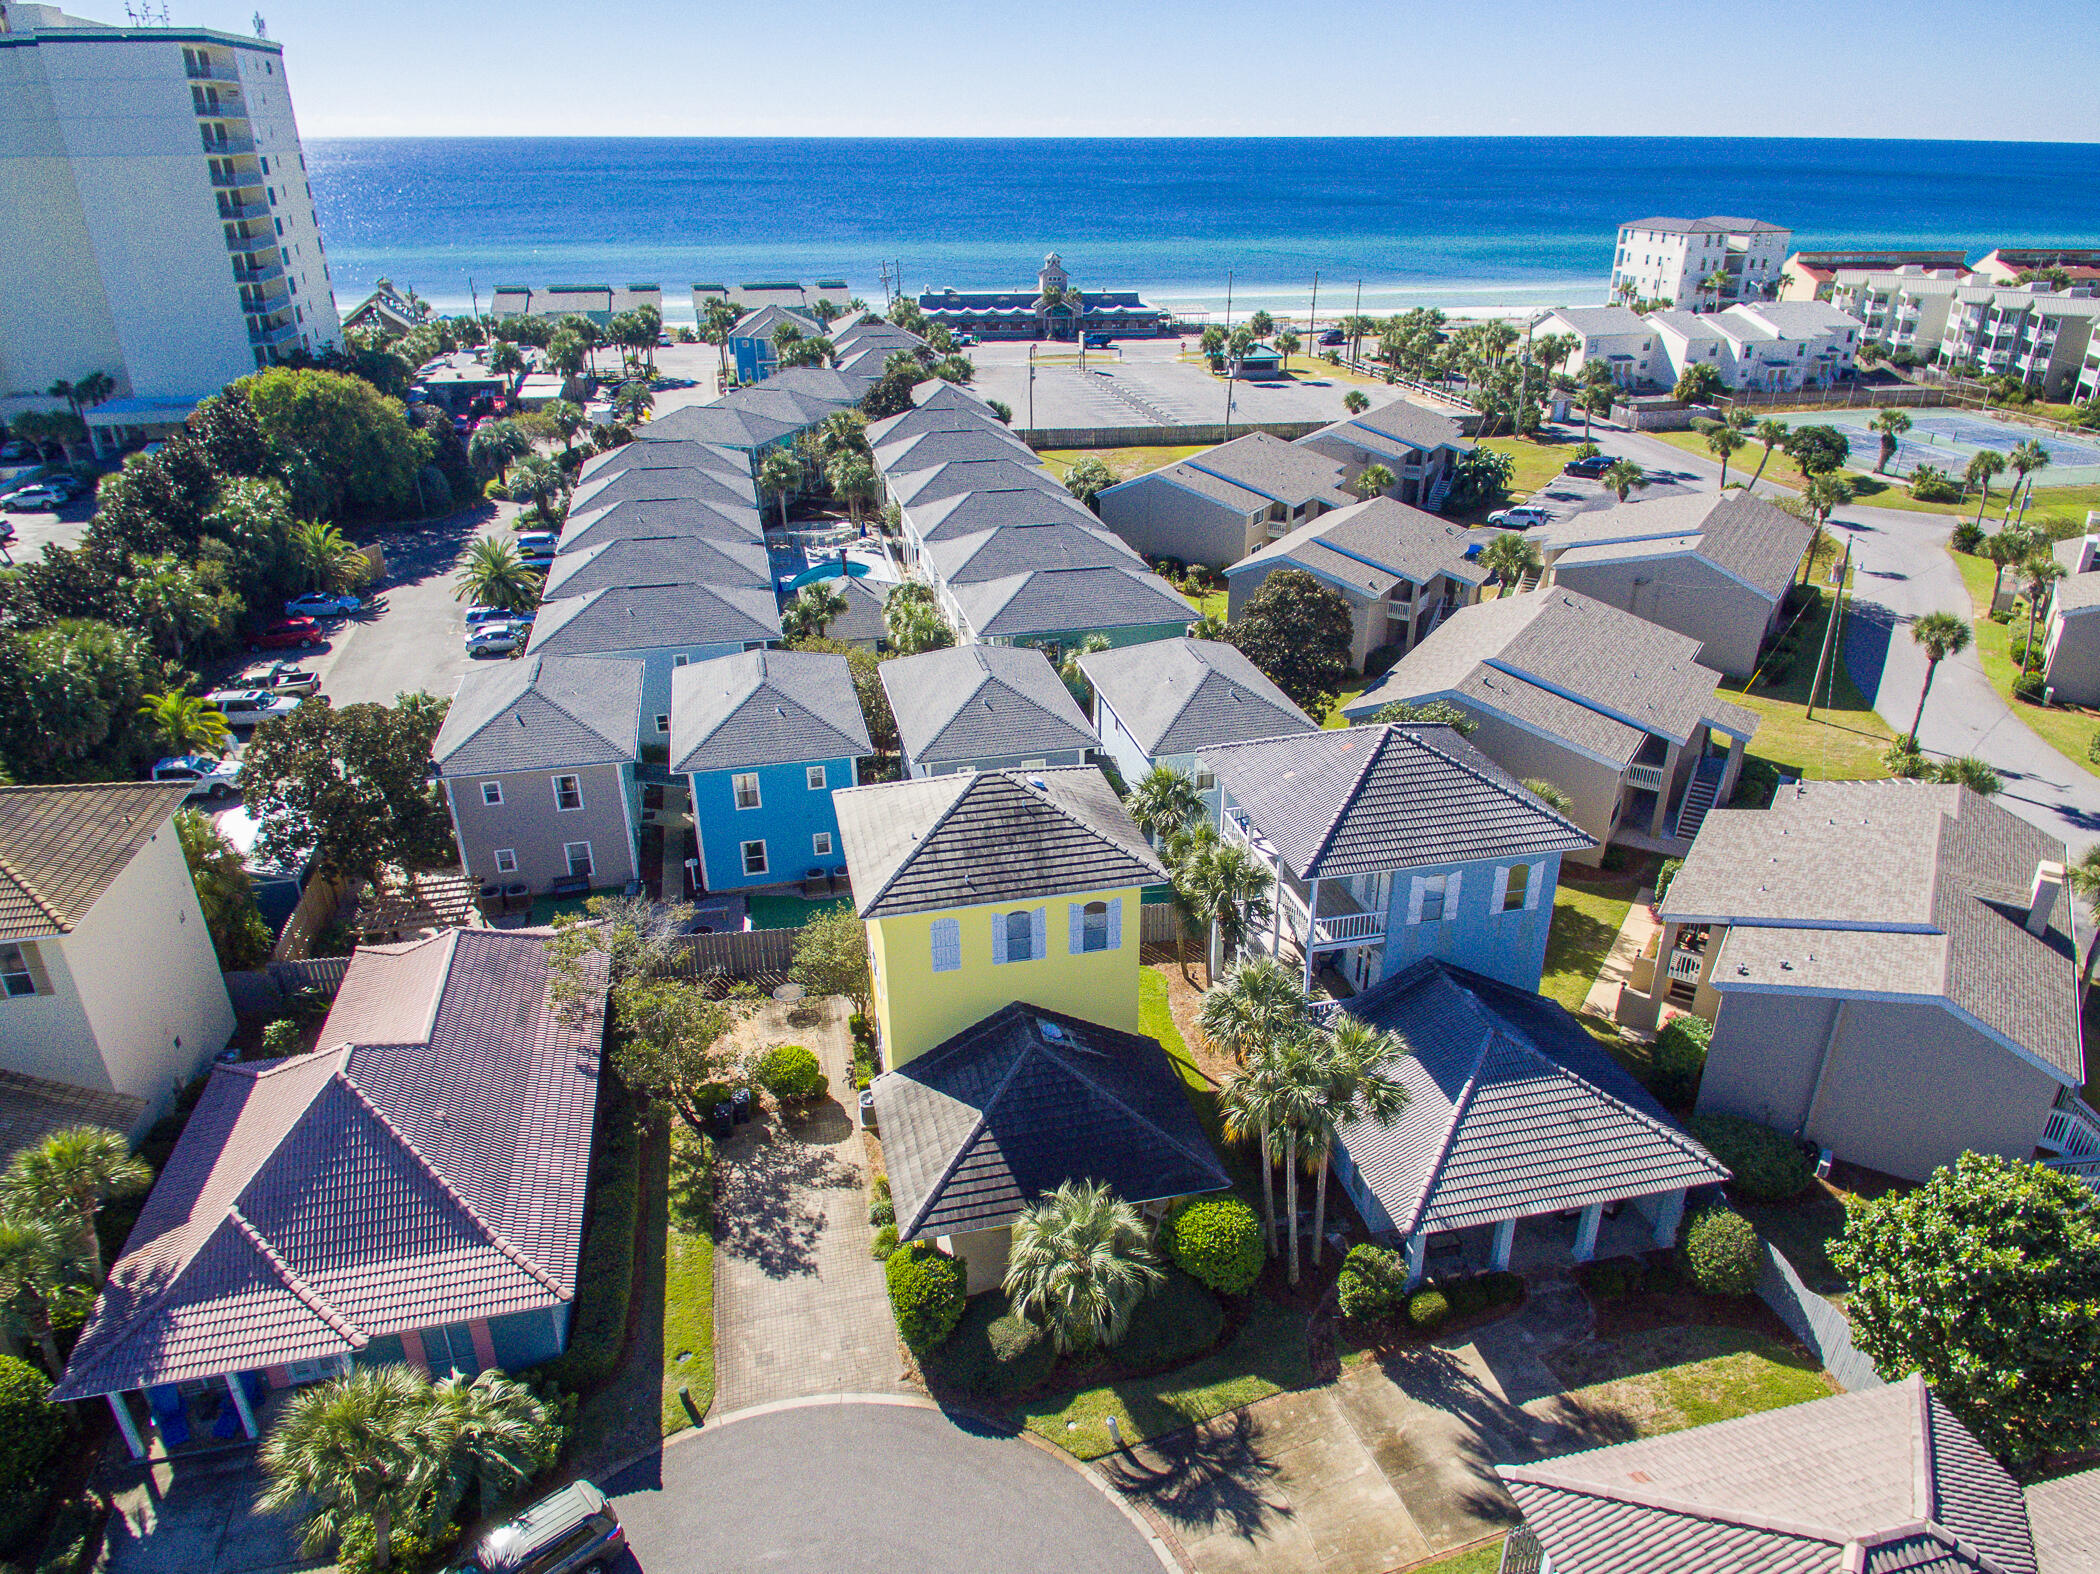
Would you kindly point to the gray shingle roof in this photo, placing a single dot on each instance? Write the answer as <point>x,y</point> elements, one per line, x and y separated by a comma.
<point>1015,549</point>
<point>2064,1516</point>
<point>430,1175</point>
<point>924,450</point>
<point>653,617</point>
<point>761,323</point>
<point>1057,601</point>
<point>991,836</point>
<point>641,485</point>
<point>728,463</point>
<point>821,382</point>
<point>2078,592</point>
<point>894,429</point>
<point>1864,1480</point>
<point>1374,546</point>
<point>1399,421</point>
<point>1594,320</point>
<point>1279,471</point>
<point>666,516</point>
<point>1491,689</point>
<point>1364,799</point>
<point>718,423</point>
<point>658,560</point>
<point>61,847</point>
<point>974,702</point>
<point>1176,696</point>
<point>542,713</point>
<point>977,1128</point>
<point>992,508</point>
<point>1513,1110</point>
<point>1742,535</point>
<point>1905,888</point>
<point>920,487</point>
<point>765,707</point>
<point>784,403</point>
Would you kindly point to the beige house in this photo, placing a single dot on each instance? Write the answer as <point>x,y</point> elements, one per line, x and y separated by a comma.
<point>1715,569</point>
<point>1890,971</point>
<point>1613,710</point>
<point>108,980</point>
<point>1217,506</point>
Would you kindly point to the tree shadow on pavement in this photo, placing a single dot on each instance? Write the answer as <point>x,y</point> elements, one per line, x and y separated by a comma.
<point>1208,1477</point>
<point>767,1204</point>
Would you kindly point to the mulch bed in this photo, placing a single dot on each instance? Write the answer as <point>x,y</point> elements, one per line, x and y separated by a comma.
<point>1641,1311</point>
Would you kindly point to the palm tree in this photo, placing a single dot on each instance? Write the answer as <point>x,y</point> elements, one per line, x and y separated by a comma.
<point>1771,434</point>
<point>323,554</point>
<point>1891,424</point>
<point>1510,557</point>
<point>1080,1262</point>
<point>2085,880</point>
<point>1253,1101</point>
<point>2037,574</point>
<point>1623,476</point>
<point>1260,1002</point>
<point>1300,1081</point>
<point>1723,441</point>
<point>1163,801</point>
<point>780,474</point>
<point>915,628</point>
<point>633,400</point>
<point>495,576</point>
<point>491,1434</point>
<point>1966,770</point>
<point>1357,1083</point>
<point>1371,481</point>
<point>36,1261</point>
<point>1983,464</point>
<point>1824,494</point>
<point>1940,635</point>
<point>537,480</point>
<point>505,359</point>
<point>494,445</point>
<point>2009,546</point>
<point>1225,888</point>
<point>186,723</point>
<point>716,319</point>
<point>68,1176</point>
<point>351,1449</point>
<point>1550,794</point>
<point>2027,456</point>
<point>1715,283</point>
<point>1209,626</point>
<point>815,608</point>
<point>1355,401</point>
<point>852,481</point>
<point>568,420</point>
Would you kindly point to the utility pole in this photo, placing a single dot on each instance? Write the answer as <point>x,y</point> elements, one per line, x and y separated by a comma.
<point>474,296</point>
<point>1312,317</point>
<point>1031,387</point>
<point>1837,610</point>
<point>1356,348</point>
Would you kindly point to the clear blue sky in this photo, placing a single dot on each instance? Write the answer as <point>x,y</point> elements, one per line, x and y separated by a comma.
<point>1878,68</point>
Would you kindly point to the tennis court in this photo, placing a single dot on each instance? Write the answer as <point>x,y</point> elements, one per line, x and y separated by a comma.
<point>1947,438</point>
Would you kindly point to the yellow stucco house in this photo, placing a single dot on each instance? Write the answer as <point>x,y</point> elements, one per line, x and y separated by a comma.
<point>981,890</point>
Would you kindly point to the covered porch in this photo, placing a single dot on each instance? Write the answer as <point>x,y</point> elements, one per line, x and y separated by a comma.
<point>1532,1243</point>
<point>1667,789</point>
<point>1310,920</point>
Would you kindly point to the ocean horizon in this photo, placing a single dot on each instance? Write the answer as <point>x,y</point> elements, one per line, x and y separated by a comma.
<point>1485,223</point>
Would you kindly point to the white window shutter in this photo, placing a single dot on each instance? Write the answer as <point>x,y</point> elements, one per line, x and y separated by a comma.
<point>998,937</point>
<point>1039,934</point>
<point>1501,888</point>
<point>1451,894</point>
<point>1531,887</point>
<point>1415,888</point>
<point>1076,912</point>
<point>1115,924</point>
<point>947,945</point>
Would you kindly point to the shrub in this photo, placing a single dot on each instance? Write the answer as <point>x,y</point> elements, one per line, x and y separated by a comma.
<point>1587,451</point>
<point>282,1038</point>
<point>880,1212</point>
<point>1218,1239</point>
<point>1768,1165</point>
<point>993,1353</point>
<point>1607,1281</point>
<point>1677,1060</point>
<point>2029,686</point>
<point>791,1073</point>
<point>1373,1284</point>
<point>411,1546</point>
<point>926,1292</point>
<point>2016,649</point>
<point>1661,1278</point>
<point>1720,1252</point>
<point>1665,876</point>
<point>495,492</point>
<point>1428,1309</point>
<point>76,1534</point>
<point>1503,1288</point>
<point>884,1244</point>
<point>31,1427</point>
<point>605,1270</point>
<point>2092,750</point>
<point>1175,1323</point>
<point>1968,535</point>
<point>1466,1296</point>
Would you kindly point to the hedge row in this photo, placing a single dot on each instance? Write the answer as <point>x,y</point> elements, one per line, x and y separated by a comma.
<point>605,1270</point>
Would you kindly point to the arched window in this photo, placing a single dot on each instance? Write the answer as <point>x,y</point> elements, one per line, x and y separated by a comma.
<point>1518,889</point>
<point>1020,936</point>
<point>1094,927</point>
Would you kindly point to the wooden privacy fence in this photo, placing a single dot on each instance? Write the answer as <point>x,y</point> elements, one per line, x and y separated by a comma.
<point>1159,923</point>
<point>267,988</point>
<point>751,954</point>
<point>317,908</point>
<point>1815,1322</point>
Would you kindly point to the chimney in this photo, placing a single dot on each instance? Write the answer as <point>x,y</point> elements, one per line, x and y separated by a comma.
<point>2048,884</point>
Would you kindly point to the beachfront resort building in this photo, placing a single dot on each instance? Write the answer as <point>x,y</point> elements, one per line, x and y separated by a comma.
<point>163,229</point>
<point>1620,338</point>
<point>2030,331</point>
<point>1661,259</point>
<point>1815,275</point>
<point>1055,309</point>
<point>1903,309</point>
<point>601,303</point>
<point>1771,345</point>
<point>2005,264</point>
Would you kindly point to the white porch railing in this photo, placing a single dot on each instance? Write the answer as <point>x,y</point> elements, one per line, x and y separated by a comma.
<point>1647,777</point>
<point>1685,965</point>
<point>1348,929</point>
<point>2073,1131</point>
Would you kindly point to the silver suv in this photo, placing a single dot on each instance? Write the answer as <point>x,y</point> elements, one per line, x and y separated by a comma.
<point>573,1530</point>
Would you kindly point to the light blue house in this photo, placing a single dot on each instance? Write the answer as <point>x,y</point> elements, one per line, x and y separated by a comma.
<point>751,341</point>
<point>1395,845</point>
<point>765,738</point>
<point>1163,703</point>
<point>666,627</point>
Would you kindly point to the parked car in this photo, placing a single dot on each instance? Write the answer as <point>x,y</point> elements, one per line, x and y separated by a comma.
<point>479,615</point>
<point>496,639</point>
<point>210,776</point>
<point>572,1530</point>
<point>1592,467</point>
<point>36,498</point>
<point>15,452</point>
<point>283,677</point>
<point>321,604</point>
<point>536,546</point>
<point>1334,336</point>
<point>1095,341</point>
<point>246,707</point>
<point>285,634</point>
<point>1522,517</point>
<point>965,340</point>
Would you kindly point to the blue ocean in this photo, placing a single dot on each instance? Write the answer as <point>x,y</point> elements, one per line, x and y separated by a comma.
<point>1449,221</point>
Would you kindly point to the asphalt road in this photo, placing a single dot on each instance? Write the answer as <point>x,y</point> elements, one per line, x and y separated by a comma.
<point>868,1489</point>
<point>33,531</point>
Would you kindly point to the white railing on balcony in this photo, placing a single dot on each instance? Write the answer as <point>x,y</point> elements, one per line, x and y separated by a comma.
<point>2073,1131</point>
<point>1685,965</point>
<point>1348,929</point>
<point>1646,777</point>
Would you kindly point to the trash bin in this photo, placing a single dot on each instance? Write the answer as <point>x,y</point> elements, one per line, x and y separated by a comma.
<point>722,1123</point>
<point>867,1111</point>
<point>740,1105</point>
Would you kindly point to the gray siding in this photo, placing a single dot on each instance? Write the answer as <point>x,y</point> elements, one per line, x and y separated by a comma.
<point>1408,487</point>
<point>2073,667</point>
<point>1592,786</point>
<point>1763,1059</point>
<point>528,822</point>
<point>998,762</point>
<point>1728,618</point>
<point>1162,519</point>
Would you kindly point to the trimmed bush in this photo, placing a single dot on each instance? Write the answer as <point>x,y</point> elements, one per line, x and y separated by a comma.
<point>791,1074</point>
<point>605,1270</point>
<point>926,1292</point>
<point>880,1212</point>
<point>1768,1165</point>
<point>495,492</point>
<point>282,1038</point>
<point>1217,1239</point>
<point>1175,1323</point>
<point>1428,1309</point>
<point>2029,686</point>
<point>1678,1059</point>
<point>993,1353</point>
<point>1373,1284</point>
<point>1503,1287</point>
<point>1466,1296</point>
<point>1720,1252</point>
<point>31,1427</point>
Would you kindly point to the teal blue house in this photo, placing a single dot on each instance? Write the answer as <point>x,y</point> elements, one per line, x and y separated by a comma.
<point>1392,846</point>
<point>764,739</point>
<point>752,347</point>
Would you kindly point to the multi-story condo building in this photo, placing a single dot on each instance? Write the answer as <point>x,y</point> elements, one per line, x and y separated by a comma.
<point>163,227</point>
<point>1813,275</point>
<point>1770,345</point>
<point>1624,340</point>
<point>1905,309</point>
<point>2005,264</point>
<point>2028,331</point>
<point>1671,260</point>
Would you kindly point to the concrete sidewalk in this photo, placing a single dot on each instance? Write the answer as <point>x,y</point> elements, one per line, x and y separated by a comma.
<point>1633,938</point>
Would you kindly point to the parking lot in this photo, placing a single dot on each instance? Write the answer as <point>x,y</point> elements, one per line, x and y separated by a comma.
<point>33,530</point>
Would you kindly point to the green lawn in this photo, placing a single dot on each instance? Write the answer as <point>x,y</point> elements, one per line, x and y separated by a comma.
<point>1267,1356</point>
<point>2068,729</point>
<point>1537,463</point>
<point>1125,462</point>
<point>1668,1379</point>
<point>1585,922</point>
<point>1483,1559</point>
<point>1209,605</point>
<point>1348,696</point>
<point>1844,739</point>
<point>689,1286</point>
<point>774,911</point>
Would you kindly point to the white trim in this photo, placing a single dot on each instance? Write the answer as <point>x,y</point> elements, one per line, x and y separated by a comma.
<point>820,844</point>
<point>510,853</point>
<point>1534,885</point>
<point>736,791</point>
<point>814,777</point>
<point>559,806</point>
<point>1501,896</point>
<point>492,803</point>
<point>568,852</point>
<point>744,854</point>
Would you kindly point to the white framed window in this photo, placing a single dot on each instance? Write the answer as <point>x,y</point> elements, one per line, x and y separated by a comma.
<point>16,979</point>
<point>1020,935</point>
<point>663,722</point>
<point>744,785</point>
<point>579,856</point>
<point>947,945</point>
<point>568,794</point>
<point>1096,926</point>
<point>1514,885</point>
<point>506,860</point>
<point>754,857</point>
<point>1431,899</point>
<point>820,844</point>
<point>492,794</point>
<point>1206,781</point>
<point>814,775</point>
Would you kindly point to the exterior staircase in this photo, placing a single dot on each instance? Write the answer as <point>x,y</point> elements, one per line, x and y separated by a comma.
<point>1530,581</point>
<point>1438,491</point>
<point>1698,798</point>
<point>2071,1140</point>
